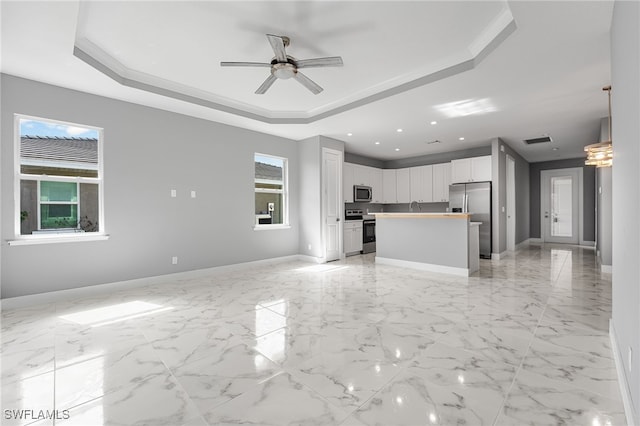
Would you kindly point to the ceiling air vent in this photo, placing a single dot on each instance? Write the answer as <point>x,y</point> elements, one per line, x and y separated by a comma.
<point>432,142</point>
<point>533,141</point>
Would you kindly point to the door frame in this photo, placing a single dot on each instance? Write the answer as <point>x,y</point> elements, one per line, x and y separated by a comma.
<point>511,202</point>
<point>324,204</point>
<point>545,193</point>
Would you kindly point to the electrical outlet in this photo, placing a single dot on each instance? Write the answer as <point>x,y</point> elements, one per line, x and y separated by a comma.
<point>193,194</point>
<point>630,358</point>
<point>174,260</point>
<point>174,193</point>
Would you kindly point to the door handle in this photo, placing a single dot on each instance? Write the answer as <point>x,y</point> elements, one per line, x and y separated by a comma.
<point>337,219</point>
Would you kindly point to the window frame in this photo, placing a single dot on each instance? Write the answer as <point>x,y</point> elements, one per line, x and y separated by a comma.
<point>55,237</point>
<point>285,193</point>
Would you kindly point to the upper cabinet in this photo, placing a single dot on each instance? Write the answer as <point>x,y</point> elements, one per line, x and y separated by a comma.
<point>441,182</point>
<point>421,186</point>
<point>389,191</point>
<point>424,184</point>
<point>348,180</point>
<point>475,169</point>
<point>355,174</point>
<point>376,185</point>
<point>403,186</point>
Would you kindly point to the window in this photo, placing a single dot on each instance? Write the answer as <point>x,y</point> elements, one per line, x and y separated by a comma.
<point>59,178</point>
<point>271,201</point>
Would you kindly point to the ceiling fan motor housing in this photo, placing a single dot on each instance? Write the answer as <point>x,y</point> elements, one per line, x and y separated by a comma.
<point>283,70</point>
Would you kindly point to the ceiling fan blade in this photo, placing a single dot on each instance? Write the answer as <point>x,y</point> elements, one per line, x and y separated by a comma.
<point>308,83</point>
<point>266,84</point>
<point>333,61</point>
<point>244,64</point>
<point>277,44</point>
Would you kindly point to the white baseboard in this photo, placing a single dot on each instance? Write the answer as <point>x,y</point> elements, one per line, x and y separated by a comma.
<point>622,378</point>
<point>535,240</point>
<point>313,259</point>
<point>498,256</point>
<point>464,272</point>
<point>100,289</point>
<point>523,243</point>
<point>607,269</point>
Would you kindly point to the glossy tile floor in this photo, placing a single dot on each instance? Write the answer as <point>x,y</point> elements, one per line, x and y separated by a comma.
<point>524,341</point>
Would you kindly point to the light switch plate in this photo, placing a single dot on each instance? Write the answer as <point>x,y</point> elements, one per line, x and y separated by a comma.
<point>193,194</point>
<point>174,193</point>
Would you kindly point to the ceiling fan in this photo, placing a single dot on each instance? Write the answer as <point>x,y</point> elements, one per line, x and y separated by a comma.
<point>284,66</point>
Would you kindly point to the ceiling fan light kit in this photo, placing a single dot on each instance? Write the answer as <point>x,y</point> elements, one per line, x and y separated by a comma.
<point>284,67</point>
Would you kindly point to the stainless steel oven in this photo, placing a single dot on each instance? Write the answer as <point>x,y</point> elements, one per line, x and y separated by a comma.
<point>368,235</point>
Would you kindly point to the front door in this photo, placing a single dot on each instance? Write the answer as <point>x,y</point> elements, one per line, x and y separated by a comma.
<point>332,203</point>
<point>560,205</point>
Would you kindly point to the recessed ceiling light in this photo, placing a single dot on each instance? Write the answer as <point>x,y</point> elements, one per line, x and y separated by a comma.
<point>460,138</point>
<point>377,143</point>
<point>349,134</point>
<point>399,130</point>
<point>397,149</point>
<point>433,123</point>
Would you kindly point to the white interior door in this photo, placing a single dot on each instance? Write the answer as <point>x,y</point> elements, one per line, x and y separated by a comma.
<point>560,212</point>
<point>332,203</point>
<point>511,204</point>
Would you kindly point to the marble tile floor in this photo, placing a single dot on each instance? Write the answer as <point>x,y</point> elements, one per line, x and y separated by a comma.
<point>523,341</point>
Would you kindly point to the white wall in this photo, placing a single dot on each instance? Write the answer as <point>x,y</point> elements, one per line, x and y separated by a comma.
<point>310,160</point>
<point>147,152</point>
<point>625,97</point>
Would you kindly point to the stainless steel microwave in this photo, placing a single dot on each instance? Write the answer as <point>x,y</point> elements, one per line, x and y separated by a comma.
<point>361,194</point>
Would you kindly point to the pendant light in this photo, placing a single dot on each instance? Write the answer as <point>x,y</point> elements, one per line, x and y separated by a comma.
<point>601,154</point>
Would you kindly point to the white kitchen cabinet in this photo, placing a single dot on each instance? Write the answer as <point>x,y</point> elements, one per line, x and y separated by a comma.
<point>403,186</point>
<point>421,184</point>
<point>361,175</point>
<point>481,168</point>
<point>352,236</point>
<point>441,182</point>
<point>376,185</point>
<point>348,170</point>
<point>474,169</point>
<point>461,170</point>
<point>389,191</point>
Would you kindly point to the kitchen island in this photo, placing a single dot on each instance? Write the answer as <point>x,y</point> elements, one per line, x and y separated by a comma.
<point>437,242</point>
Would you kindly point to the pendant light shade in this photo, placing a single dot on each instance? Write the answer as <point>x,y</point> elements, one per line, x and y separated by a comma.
<point>601,154</point>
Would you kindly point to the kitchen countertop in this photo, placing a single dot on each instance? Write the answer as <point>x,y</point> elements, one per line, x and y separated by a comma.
<point>420,215</point>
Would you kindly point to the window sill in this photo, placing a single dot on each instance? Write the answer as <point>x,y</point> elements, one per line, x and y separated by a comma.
<point>55,239</point>
<point>270,227</point>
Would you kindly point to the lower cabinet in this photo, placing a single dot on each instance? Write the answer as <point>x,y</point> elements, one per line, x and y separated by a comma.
<point>352,237</point>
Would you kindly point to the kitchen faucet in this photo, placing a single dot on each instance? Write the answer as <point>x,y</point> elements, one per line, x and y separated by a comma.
<point>411,206</point>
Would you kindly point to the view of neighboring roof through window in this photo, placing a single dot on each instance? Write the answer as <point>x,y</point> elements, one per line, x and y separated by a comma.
<point>60,178</point>
<point>270,190</point>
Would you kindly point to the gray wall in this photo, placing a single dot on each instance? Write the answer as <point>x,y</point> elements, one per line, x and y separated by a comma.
<point>604,187</point>
<point>589,183</point>
<point>147,152</point>
<point>499,195</point>
<point>442,157</point>
<point>625,98</point>
<point>362,160</point>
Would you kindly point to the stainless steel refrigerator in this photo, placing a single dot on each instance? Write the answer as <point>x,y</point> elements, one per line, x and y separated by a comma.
<point>474,198</point>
